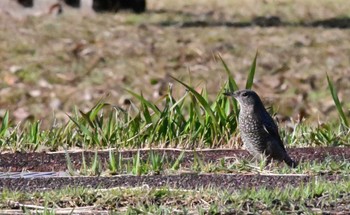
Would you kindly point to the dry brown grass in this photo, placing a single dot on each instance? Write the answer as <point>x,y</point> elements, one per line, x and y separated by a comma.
<point>51,63</point>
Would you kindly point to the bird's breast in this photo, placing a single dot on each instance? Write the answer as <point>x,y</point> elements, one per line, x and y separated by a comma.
<point>249,124</point>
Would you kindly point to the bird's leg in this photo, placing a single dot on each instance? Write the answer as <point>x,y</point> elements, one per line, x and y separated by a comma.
<point>268,161</point>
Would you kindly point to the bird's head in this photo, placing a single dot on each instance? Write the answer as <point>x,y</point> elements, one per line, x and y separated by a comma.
<point>246,98</point>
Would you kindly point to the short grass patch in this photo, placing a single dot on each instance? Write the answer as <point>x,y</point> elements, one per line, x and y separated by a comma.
<point>316,196</point>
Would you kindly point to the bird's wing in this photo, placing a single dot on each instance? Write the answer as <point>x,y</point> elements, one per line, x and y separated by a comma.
<point>271,128</point>
<point>275,134</point>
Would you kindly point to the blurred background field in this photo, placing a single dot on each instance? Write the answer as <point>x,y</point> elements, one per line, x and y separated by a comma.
<point>49,63</point>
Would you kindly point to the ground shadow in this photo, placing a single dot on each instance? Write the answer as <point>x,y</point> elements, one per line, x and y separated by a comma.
<point>261,21</point>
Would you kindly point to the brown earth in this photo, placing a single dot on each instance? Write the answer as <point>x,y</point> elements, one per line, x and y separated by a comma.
<point>230,182</point>
<point>41,161</point>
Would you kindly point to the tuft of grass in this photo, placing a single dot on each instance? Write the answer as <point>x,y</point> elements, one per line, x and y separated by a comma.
<point>177,162</point>
<point>191,121</point>
<point>198,164</point>
<point>138,166</point>
<point>197,121</point>
<point>84,170</point>
<point>115,164</point>
<point>157,162</point>
<point>70,166</point>
<point>96,166</point>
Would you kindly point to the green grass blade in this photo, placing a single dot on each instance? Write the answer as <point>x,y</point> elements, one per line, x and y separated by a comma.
<point>112,162</point>
<point>137,164</point>
<point>145,111</point>
<point>176,164</point>
<point>230,86</point>
<point>197,109</point>
<point>231,83</point>
<point>198,164</point>
<point>87,118</point>
<point>83,129</point>
<point>251,74</point>
<point>203,102</point>
<point>34,132</point>
<point>111,125</point>
<point>96,165</point>
<point>95,110</point>
<point>83,168</point>
<point>70,165</point>
<point>144,101</point>
<point>337,103</point>
<point>179,103</point>
<point>4,124</point>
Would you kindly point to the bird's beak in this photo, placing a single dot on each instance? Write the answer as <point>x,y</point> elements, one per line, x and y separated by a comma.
<point>233,94</point>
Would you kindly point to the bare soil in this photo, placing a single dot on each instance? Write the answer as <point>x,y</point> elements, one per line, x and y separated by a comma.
<point>43,162</point>
<point>57,162</point>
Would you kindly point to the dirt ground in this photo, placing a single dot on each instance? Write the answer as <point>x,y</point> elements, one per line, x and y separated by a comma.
<point>39,162</point>
<point>43,162</point>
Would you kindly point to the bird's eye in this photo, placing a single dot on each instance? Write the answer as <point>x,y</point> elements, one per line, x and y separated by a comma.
<point>245,94</point>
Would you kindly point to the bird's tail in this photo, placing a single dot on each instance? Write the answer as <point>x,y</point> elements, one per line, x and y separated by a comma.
<point>290,162</point>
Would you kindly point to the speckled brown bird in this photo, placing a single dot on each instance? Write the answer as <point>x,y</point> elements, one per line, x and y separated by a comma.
<point>258,130</point>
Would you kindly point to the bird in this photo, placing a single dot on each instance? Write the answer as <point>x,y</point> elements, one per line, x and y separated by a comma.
<point>258,130</point>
